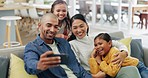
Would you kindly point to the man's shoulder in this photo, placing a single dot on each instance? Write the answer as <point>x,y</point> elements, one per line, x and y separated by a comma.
<point>31,43</point>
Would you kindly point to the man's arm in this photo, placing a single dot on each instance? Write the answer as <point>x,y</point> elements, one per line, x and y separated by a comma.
<point>34,63</point>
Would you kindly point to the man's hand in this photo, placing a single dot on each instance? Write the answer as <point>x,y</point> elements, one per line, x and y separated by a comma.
<point>47,62</point>
<point>119,58</point>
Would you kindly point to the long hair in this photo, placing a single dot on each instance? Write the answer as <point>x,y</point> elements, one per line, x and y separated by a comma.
<point>75,17</point>
<point>66,19</point>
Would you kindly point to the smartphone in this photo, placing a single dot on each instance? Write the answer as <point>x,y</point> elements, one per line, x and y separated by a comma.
<point>64,57</point>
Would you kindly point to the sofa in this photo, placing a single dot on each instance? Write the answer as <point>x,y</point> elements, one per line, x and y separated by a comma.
<point>5,54</point>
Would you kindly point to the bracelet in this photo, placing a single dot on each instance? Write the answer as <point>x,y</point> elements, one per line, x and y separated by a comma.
<point>125,51</point>
<point>122,50</point>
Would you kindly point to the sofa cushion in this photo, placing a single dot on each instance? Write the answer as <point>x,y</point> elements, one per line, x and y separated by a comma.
<point>4,64</point>
<point>126,42</point>
<point>136,49</point>
<point>16,69</point>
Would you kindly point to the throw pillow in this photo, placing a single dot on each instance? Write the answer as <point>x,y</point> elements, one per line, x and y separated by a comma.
<point>4,63</point>
<point>126,42</point>
<point>16,69</point>
<point>136,49</point>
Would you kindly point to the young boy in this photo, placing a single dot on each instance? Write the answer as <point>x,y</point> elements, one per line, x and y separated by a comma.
<point>105,53</point>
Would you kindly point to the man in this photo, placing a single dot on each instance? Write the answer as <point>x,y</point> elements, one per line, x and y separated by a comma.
<point>36,53</point>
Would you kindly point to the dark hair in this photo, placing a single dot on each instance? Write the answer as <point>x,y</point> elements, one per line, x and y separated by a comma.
<point>80,17</point>
<point>104,36</point>
<point>65,19</point>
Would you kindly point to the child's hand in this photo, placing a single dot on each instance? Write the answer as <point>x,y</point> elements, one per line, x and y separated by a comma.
<point>93,54</point>
<point>100,74</point>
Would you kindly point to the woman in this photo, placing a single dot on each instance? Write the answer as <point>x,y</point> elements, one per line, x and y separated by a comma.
<point>82,45</point>
<point>60,9</point>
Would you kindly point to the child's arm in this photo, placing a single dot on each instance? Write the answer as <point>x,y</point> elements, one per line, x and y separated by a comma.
<point>100,74</point>
<point>98,59</point>
<point>95,55</point>
<point>107,66</point>
<point>94,67</point>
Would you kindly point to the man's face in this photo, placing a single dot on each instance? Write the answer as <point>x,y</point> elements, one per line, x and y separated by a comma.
<point>49,28</point>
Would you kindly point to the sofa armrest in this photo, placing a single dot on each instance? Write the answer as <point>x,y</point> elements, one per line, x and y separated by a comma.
<point>145,55</point>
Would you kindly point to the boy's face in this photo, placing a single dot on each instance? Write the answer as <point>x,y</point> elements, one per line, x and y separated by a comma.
<point>102,46</point>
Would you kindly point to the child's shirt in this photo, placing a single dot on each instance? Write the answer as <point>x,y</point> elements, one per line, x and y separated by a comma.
<point>107,66</point>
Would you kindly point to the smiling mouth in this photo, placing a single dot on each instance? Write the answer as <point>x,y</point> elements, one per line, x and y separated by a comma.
<point>99,50</point>
<point>49,33</point>
<point>60,16</point>
<point>80,34</point>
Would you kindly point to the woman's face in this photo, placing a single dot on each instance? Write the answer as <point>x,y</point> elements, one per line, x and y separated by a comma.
<point>60,10</point>
<point>79,28</point>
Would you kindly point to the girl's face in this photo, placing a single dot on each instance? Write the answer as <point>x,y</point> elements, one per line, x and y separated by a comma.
<point>60,10</point>
<point>79,28</point>
<point>102,47</point>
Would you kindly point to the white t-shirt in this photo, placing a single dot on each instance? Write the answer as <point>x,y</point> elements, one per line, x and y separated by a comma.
<point>67,70</point>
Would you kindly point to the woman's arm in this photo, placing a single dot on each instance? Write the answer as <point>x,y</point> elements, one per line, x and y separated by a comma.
<point>119,45</point>
<point>121,55</point>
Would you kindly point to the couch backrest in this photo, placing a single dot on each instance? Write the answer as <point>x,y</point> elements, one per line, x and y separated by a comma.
<point>19,51</point>
<point>117,34</point>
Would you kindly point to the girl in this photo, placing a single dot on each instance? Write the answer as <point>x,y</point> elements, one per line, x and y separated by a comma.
<point>105,51</point>
<point>60,9</point>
